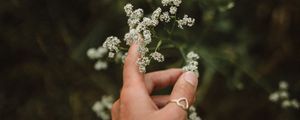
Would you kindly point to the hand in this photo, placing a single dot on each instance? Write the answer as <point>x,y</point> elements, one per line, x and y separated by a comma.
<point>135,102</point>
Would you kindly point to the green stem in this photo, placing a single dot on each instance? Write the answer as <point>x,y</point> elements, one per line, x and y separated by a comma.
<point>158,45</point>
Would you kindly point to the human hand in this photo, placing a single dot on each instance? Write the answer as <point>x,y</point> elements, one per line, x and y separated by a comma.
<point>136,102</point>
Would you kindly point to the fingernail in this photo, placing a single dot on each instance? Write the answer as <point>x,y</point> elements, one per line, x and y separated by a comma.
<point>191,78</point>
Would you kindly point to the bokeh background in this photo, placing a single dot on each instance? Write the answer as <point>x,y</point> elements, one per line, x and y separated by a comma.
<point>246,48</point>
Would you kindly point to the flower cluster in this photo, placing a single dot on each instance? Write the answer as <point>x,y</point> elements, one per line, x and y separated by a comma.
<point>112,44</point>
<point>171,2</point>
<point>192,63</point>
<point>140,32</point>
<point>193,114</point>
<point>102,108</point>
<point>282,96</point>
<point>98,53</point>
<point>185,21</point>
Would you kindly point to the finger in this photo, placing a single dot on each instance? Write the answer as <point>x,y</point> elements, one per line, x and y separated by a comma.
<point>161,79</point>
<point>115,111</point>
<point>134,95</point>
<point>185,87</point>
<point>131,74</point>
<point>161,100</point>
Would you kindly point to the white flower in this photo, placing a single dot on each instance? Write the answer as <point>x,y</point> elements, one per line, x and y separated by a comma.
<point>154,23</point>
<point>186,21</point>
<point>111,55</point>
<point>165,17</point>
<point>286,104</point>
<point>147,37</point>
<point>171,2</point>
<point>192,63</point>
<point>102,108</point>
<point>274,97</point>
<point>283,94</point>
<point>166,2</point>
<point>295,103</point>
<point>193,56</point>
<point>100,65</point>
<point>132,36</point>
<point>93,53</point>
<point>283,85</point>
<point>138,13</point>
<point>156,13</point>
<point>173,10</point>
<point>112,43</point>
<point>193,114</point>
<point>128,9</point>
<point>157,56</point>
<point>177,2</point>
<point>143,62</point>
<point>147,21</point>
<point>143,50</point>
<point>97,106</point>
<point>135,18</point>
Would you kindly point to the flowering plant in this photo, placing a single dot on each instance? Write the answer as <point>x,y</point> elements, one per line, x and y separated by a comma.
<point>142,31</point>
<point>154,33</point>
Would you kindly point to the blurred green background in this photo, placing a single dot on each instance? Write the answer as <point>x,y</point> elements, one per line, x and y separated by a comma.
<point>246,47</point>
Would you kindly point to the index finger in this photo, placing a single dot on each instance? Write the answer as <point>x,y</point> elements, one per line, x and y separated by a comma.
<point>132,77</point>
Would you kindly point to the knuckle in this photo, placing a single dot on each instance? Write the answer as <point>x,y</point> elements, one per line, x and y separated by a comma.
<point>115,107</point>
<point>125,95</point>
<point>187,88</point>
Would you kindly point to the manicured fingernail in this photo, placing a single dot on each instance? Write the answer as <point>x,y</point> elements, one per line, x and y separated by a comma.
<point>191,78</point>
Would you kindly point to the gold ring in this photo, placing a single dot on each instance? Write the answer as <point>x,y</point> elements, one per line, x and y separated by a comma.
<point>179,103</point>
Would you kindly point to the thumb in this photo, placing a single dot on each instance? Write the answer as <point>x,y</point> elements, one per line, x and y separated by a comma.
<point>185,87</point>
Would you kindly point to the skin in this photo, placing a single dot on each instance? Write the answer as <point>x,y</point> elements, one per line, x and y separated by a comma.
<point>136,102</point>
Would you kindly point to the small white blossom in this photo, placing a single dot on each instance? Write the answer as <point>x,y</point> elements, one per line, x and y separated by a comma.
<point>100,65</point>
<point>193,56</point>
<point>186,21</point>
<point>132,37</point>
<point>274,97</point>
<point>193,114</point>
<point>143,62</point>
<point>93,53</point>
<point>295,103</point>
<point>173,10</point>
<point>147,21</point>
<point>147,37</point>
<point>112,44</point>
<point>141,27</point>
<point>192,63</point>
<point>286,104</point>
<point>138,13</point>
<point>135,18</point>
<point>177,2</point>
<point>166,2</point>
<point>282,96</point>
<point>165,17</point>
<point>171,2</point>
<point>128,9</point>
<point>157,56</point>
<point>154,22</point>
<point>102,108</point>
<point>111,55</point>
<point>143,50</point>
<point>283,85</point>
<point>156,13</point>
